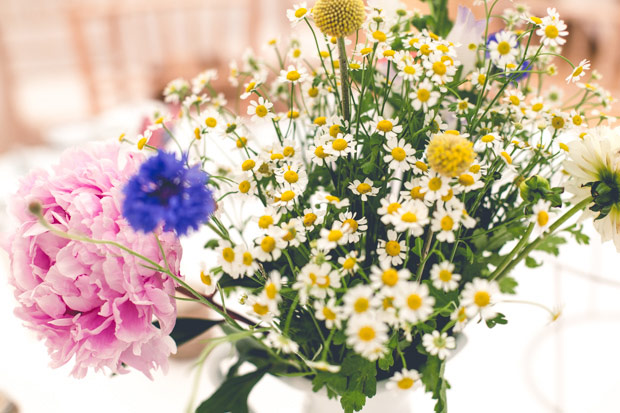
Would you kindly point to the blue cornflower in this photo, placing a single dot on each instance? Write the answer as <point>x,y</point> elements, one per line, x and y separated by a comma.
<point>166,190</point>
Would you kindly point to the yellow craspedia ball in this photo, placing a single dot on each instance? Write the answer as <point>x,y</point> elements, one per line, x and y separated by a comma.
<point>338,17</point>
<point>450,154</point>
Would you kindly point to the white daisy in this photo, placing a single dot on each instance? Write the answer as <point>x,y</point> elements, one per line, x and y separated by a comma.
<point>414,302</point>
<point>363,189</point>
<point>401,155</point>
<point>404,380</point>
<point>329,312</point>
<point>359,300</point>
<point>438,344</point>
<point>391,251</point>
<point>411,217</point>
<point>443,276</point>
<point>367,336</point>
<point>479,296</point>
<point>387,277</point>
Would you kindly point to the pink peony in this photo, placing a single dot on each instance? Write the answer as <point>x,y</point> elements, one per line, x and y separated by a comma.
<point>92,302</point>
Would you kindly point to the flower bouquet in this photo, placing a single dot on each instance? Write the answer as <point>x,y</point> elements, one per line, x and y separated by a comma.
<point>374,200</point>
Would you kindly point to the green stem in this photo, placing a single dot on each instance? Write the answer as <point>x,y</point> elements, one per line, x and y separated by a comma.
<point>344,80</point>
<point>515,250</point>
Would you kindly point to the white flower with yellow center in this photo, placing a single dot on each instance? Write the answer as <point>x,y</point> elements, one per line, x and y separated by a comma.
<point>341,146</point>
<point>424,96</point>
<point>443,276</point>
<point>360,300</point>
<point>246,185</point>
<point>463,106</point>
<point>269,247</point>
<point>387,277</point>
<point>541,215</point>
<point>400,155</point>
<point>440,69</point>
<point>363,189</point>
<point>438,344</point>
<point>209,280</point>
<point>329,312</point>
<point>435,186</point>
<point>413,302</point>
<point>331,238</point>
<point>212,122</point>
<point>298,13</point>
<point>281,343</point>
<point>579,71</point>
<point>479,296</point>
<point>411,217</point>
<point>247,263</point>
<point>202,80</point>
<point>466,220</point>
<point>478,78</point>
<point>294,232</point>
<point>391,251</point>
<point>503,49</point>
<point>552,30</point>
<point>367,336</point>
<point>445,222</point>
<point>251,86</point>
<point>404,380</point>
<point>318,154</point>
<point>273,285</point>
<point>413,191</point>
<point>175,89</point>
<point>350,262</point>
<point>228,259</point>
<point>467,182</point>
<point>389,209</point>
<point>293,75</point>
<point>386,127</point>
<point>262,308</point>
<point>356,226</point>
<point>270,217</point>
<point>409,70</point>
<point>312,218</point>
<point>292,174</point>
<point>334,200</point>
<point>260,110</point>
<point>515,99</point>
<point>488,141</point>
<point>460,315</point>
<point>578,120</point>
<point>286,197</point>
<point>325,283</point>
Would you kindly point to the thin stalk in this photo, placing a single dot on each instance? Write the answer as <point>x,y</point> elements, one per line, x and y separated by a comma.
<point>344,79</point>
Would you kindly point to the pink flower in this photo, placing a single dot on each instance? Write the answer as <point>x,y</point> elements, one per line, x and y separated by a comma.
<point>94,303</point>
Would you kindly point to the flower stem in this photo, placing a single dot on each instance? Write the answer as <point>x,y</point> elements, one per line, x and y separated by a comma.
<point>344,79</point>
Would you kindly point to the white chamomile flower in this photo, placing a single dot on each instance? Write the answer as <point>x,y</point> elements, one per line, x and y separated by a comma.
<point>294,232</point>
<point>424,96</point>
<point>387,276</point>
<point>463,106</point>
<point>175,90</point>
<point>401,155</point>
<point>281,343</point>
<point>386,127</point>
<point>270,246</point>
<point>209,280</point>
<point>228,259</point>
<point>247,264</point>
<point>317,152</point>
<point>413,191</point>
<point>312,218</point>
<point>540,215</point>
<point>479,296</point>
<point>478,79</point>
<point>250,87</point>
<point>246,185</point>
<point>409,70</point>
<point>287,197</point>
<point>445,222</point>
<point>503,49</point>
<point>389,209</point>
<point>404,380</point>
<point>350,262</point>
<point>468,181</point>
<point>292,174</point>
<point>443,276</point>
<point>392,251</point>
<point>293,75</point>
<point>434,186</point>
<point>331,238</point>
<point>202,80</point>
<point>414,302</point>
<point>329,313</point>
<point>363,189</point>
<point>367,336</point>
<point>297,13</point>
<point>356,227</point>
<point>460,315</point>
<point>213,122</point>
<point>260,110</point>
<point>262,307</point>
<point>359,300</point>
<point>270,217</point>
<point>579,71</point>
<point>552,30</point>
<point>335,201</point>
<point>438,344</point>
<point>341,146</point>
<point>411,217</point>
<point>439,69</point>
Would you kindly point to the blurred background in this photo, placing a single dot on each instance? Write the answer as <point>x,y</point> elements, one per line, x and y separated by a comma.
<point>76,70</point>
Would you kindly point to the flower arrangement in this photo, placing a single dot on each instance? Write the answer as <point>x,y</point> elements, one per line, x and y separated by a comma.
<point>410,163</point>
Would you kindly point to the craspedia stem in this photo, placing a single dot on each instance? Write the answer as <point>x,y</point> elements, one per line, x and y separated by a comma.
<point>344,79</point>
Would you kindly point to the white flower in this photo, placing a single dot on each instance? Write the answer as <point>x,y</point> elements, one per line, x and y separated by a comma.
<point>552,30</point>
<point>228,259</point>
<point>329,312</point>
<point>401,155</point>
<point>386,127</point>
<point>360,299</point>
<point>350,262</point>
<point>260,110</point>
<point>270,246</point>
<point>404,380</point>
<point>540,215</point>
<point>262,307</point>
<point>293,75</point>
<point>440,69</point>
<point>503,49</point>
<point>411,217</point>
<point>438,344</point>
<point>460,315</point>
<point>414,302</point>
<point>286,197</point>
<point>479,296</point>
<point>578,71</point>
<point>387,277</point>
<point>356,227</point>
<point>391,251</point>
<point>331,238</point>
<point>434,186</point>
<point>364,189</point>
<point>209,280</point>
<point>203,79</point>
<point>424,96</point>
<point>297,13</point>
<point>443,276</point>
<point>247,264</point>
<point>367,336</point>
<point>322,366</point>
<point>341,146</point>
<point>281,343</point>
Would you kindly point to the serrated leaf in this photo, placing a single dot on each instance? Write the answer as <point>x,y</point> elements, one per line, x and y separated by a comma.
<point>386,361</point>
<point>232,395</point>
<point>186,329</point>
<point>507,285</point>
<point>335,383</point>
<point>353,401</point>
<point>550,244</point>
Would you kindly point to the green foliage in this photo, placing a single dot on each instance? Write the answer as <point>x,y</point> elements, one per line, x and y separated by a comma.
<point>507,285</point>
<point>551,244</point>
<point>498,319</point>
<point>232,395</point>
<point>432,377</point>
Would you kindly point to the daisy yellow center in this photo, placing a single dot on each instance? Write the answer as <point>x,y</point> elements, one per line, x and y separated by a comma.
<point>421,166</point>
<point>205,278</point>
<point>463,105</point>
<point>291,177</point>
<point>466,180</point>
<point>293,76</point>
<point>388,302</point>
<point>247,259</point>
<point>543,218</point>
<point>332,198</point>
<point>506,157</point>
<point>290,234</point>
<point>271,291</point>
<point>410,70</point>
<point>268,244</point>
<point>389,277</point>
<point>250,86</point>
<point>557,122</point>
<point>244,187</point>
<point>450,154</point>
<point>409,217</point>
<point>260,309</point>
<point>366,333</point>
<point>265,221</point>
<point>379,36</point>
<point>261,111</point>
<point>287,196</point>
<point>288,151</point>
<point>389,53</point>
<point>313,92</point>
<point>320,152</point>
<point>393,207</point>
<point>439,68</point>
<point>321,120</point>
<point>447,223</point>
<point>537,107</point>
<point>414,301</point>
<point>392,248</point>
<point>385,125</point>
<point>351,223</point>
<point>578,71</point>
<point>334,235</point>
<point>364,188</point>
<point>296,54</point>
<point>434,184</point>
<point>300,12</point>
<point>361,305</point>
<point>241,142</point>
<point>340,144</point>
<point>248,164</point>
<point>228,254</point>
<point>405,383</point>
<point>292,114</point>
<point>328,314</point>
<point>564,147</point>
<point>551,31</point>
<point>324,283</point>
<point>449,196</point>
<point>503,48</point>
<point>487,138</point>
<point>334,130</point>
<point>211,122</point>
<point>425,49</point>
<point>416,193</point>
<point>515,100</point>
<point>536,20</point>
<point>423,95</point>
<point>577,120</point>
<point>349,263</point>
<point>482,298</point>
<point>399,154</point>
<point>474,169</point>
<point>445,275</point>
<point>481,79</point>
<point>309,219</point>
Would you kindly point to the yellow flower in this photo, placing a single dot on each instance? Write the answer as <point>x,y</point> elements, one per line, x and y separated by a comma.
<point>450,154</point>
<point>339,17</point>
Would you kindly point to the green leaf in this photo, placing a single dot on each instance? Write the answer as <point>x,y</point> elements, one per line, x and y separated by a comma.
<point>186,329</point>
<point>417,248</point>
<point>551,244</point>
<point>531,262</point>
<point>499,319</point>
<point>232,395</point>
<point>212,244</point>
<point>386,361</point>
<point>507,285</point>
<point>353,401</point>
<point>335,383</point>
